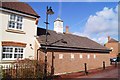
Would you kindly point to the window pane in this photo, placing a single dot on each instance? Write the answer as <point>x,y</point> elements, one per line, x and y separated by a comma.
<point>12,24</point>
<point>19,26</point>
<point>15,49</point>
<point>4,49</point>
<point>10,55</point>
<point>19,18</point>
<point>21,50</point>
<point>12,17</point>
<point>3,55</point>
<point>11,49</point>
<point>15,55</point>
<point>21,55</point>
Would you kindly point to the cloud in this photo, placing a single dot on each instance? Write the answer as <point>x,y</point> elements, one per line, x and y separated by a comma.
<point>104,23</point>
<point>81,34</point>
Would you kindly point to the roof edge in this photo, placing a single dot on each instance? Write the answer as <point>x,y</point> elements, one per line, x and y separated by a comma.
<point>76,48</point>
<point>20,12</point>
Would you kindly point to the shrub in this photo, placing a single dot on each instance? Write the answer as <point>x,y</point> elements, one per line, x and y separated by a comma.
<point>25,69</point>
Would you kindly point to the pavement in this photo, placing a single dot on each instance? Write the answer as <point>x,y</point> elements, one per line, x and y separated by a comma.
<point>110,73</point>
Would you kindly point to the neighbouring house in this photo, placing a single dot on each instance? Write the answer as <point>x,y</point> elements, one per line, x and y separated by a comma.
<point>18,29</point>
<point>114,46</point>
<point>67,53</point>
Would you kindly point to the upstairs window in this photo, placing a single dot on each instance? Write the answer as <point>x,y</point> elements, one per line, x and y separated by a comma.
<point>15,22</point>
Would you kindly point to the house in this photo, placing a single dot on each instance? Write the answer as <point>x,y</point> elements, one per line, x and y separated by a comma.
<point>114,46</point>
<point>67,53</point>
<point>18,29</point>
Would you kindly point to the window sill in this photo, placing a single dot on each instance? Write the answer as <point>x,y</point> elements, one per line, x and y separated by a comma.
<point>15,31</point>
<point>13,59</point>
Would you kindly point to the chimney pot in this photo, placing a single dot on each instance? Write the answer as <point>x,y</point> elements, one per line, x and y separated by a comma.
<point>109,38</point>
<point>67,29</point>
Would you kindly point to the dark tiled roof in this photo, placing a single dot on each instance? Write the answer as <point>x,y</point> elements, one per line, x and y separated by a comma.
<point>112,40</point>
<point>19,7</point>
<point>67,40</point>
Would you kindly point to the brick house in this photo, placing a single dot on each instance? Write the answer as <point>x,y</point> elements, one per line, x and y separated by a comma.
<point>114,46</point>
<point>67,53</point>
<point>18,29</point>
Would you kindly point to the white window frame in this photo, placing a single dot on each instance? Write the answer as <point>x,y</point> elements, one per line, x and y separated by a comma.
<point>16,22</point>
<point>13,53</point>
<point>60,56</point>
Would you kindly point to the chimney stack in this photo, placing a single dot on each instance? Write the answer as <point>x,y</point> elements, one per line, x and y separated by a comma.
<point>109,38</point>
<point>67,29</point>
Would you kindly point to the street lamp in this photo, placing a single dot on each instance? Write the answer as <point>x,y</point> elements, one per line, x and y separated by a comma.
<point>48,12</point>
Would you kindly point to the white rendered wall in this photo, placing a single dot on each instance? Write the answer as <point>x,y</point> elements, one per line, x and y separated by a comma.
<point>29,27</point>
<point>0,32</point>
<point>58,26</point>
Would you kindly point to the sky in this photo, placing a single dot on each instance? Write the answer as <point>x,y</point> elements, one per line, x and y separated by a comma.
<point>95,20</point>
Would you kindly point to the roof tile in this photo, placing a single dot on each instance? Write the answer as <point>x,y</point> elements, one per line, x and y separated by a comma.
<point>19,7</point>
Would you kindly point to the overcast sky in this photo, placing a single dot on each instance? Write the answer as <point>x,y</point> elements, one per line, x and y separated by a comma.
<point>92,19</point>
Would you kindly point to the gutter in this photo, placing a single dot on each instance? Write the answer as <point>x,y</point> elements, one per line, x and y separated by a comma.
<point>75,49</point>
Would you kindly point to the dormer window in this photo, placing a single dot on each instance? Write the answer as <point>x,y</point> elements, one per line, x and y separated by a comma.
<point>15,22</point>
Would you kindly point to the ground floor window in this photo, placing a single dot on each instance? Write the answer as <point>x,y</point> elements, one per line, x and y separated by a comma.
<point>10,52</point>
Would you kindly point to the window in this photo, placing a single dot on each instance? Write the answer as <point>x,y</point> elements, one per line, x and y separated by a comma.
<point>15,22</point>
<point>94,56</point>
<point>81,56</point>
<point>60,56</point>
<point>18,53</point>
<point>111,48</point>
<point>72,56</point>
<point>88,56</point>
<point>9,52</point>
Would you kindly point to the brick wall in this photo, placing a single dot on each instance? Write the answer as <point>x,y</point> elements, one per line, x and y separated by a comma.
<point>66,64</point>
<point>115,47</point>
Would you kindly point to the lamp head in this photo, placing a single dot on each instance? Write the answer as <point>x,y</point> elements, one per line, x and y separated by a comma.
<point>50,11</point>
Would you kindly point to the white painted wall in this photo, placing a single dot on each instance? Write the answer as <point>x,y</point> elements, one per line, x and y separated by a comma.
<point>29,27</point>
<point>0,32</point>
<point>58,26</point>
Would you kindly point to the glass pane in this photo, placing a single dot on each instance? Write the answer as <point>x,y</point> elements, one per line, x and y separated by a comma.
<point>19,26</point>
<point>19,19</point>
<point>21,55</point>
<point>12,17</point>
<point>11,49</point>
<point>3,55</point>
<point>15,55</point>
<point>16,49</point>
<point>4,49</point>
<point>10,55</point>
<point>21,50</point>
<point>12,24</point>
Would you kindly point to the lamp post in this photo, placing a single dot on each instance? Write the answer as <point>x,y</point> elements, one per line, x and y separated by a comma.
<point>48,12</point>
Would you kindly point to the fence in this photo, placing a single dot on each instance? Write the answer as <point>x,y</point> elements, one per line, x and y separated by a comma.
<point>22,69</point>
